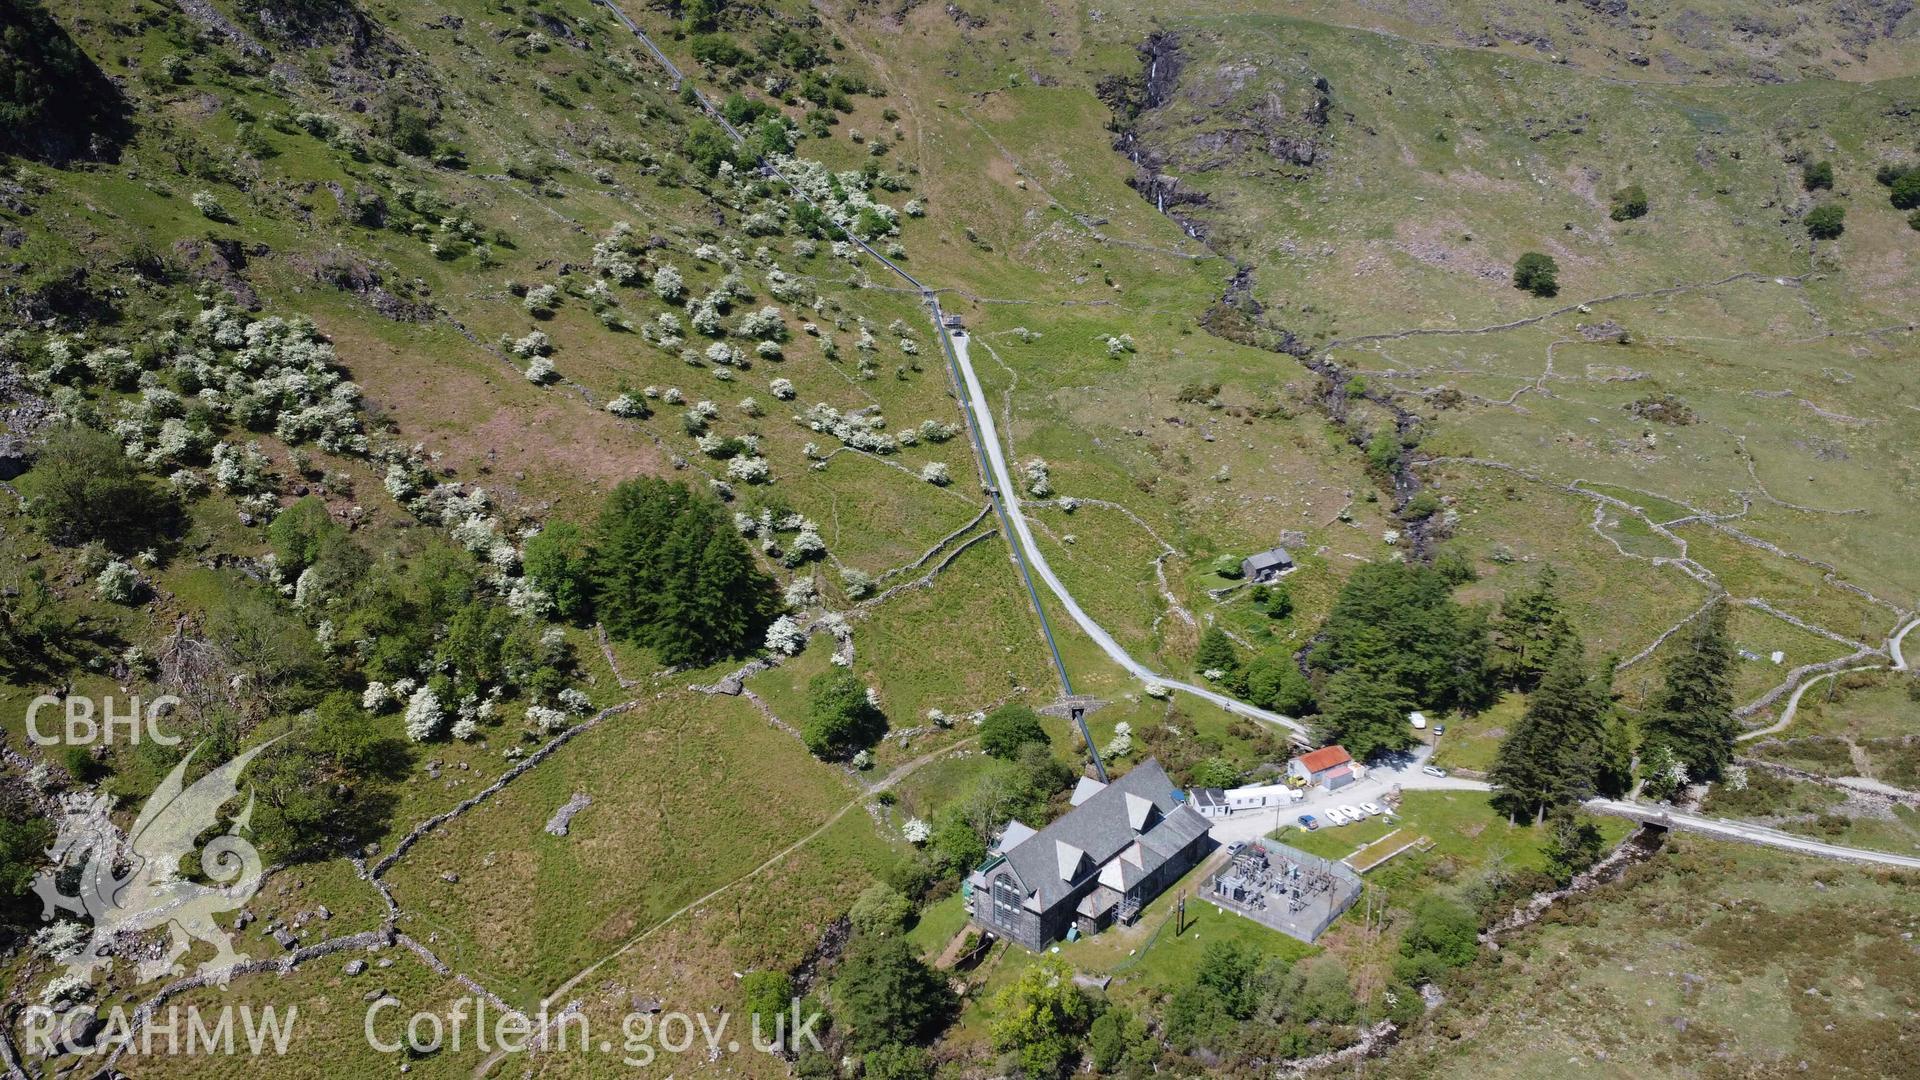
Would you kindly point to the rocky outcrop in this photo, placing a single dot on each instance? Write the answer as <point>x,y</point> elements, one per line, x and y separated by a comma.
<point>23,412</point>
<point>1239,316</point>
<point>222,261</point>
<point>1149,110</point>
<point>1157,115</point>
<point>562,820</point>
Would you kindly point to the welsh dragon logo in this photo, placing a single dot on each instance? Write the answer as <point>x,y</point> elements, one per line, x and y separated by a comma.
<point>129,885</point>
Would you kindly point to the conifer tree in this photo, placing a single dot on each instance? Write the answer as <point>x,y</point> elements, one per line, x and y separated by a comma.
<point>678,605</point>
<point>1614,772</point>
<point>1528,632</point>
<point>629,573</point>
<point>1552,756</point>
<point>670,573</point>
<point>1216,652</point>
<point>733,601</point>
<point>1402,622</point>
<point>1470,679</point>
<point>1366,712</point>
<point>1691,715</point>
<point>885,994</point>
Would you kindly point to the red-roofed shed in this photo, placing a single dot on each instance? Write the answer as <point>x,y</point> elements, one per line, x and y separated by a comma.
<point>1317,766</point>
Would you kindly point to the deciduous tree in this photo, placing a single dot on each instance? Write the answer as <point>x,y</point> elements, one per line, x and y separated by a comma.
<point>1573,845</point>
<point>1008,728</point>
<point>559,562</point>
<point>1274,681</point>
<point>1826,221</point>
<point>1041,1018</point>
<point>82,488</point>
<point>1537,273</point>
<point>840,717</point>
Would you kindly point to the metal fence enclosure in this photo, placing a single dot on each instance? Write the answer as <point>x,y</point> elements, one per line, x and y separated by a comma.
<point>1283,888</point>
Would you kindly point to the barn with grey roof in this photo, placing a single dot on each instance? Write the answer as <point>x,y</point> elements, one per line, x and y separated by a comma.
<point>1266,566</point>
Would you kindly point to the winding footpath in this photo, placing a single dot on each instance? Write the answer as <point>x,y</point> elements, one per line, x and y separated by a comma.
<point>1894,645</point>
<point>1893,649</point>
<point>1793,703</point>
<point>547,1003</point>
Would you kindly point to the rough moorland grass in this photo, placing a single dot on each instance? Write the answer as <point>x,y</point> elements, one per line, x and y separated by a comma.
<point>668,781</point>
<point>1896,830</point>
<point>1740,949</point>
<point>1825,755</point>
<point>965,644</point>
<point>773,920</point>
<point>1106,565</point>
<point>1592,41</point>
<point>1513,529</point>
<point>329,1035</point>
<point>1762,634</point>
<point>1770,797</point>
<point>1470,741</point>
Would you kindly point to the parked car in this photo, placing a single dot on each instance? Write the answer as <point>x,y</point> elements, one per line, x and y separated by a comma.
<point>1354,812</point>
<point>1439,729</point>
<point>1432,770</point>
<point>1373,808</point>
<point>1334,815</point>
<point>1309,822</point>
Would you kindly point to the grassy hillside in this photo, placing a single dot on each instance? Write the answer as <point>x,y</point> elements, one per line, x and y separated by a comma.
<point>427,279</point>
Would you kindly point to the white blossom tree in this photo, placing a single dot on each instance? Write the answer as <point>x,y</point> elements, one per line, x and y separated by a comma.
<point>425,717</point>
<point>786,636</point>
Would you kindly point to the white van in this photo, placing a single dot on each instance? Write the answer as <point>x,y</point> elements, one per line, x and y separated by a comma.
<point>1419,720</point>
